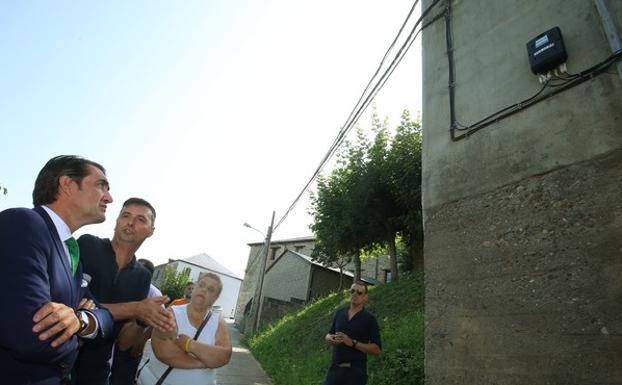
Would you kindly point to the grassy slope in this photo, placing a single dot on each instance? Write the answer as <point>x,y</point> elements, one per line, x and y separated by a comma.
<point>294,352</point>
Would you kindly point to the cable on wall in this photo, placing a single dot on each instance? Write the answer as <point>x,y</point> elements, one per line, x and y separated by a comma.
<point>558,83</point>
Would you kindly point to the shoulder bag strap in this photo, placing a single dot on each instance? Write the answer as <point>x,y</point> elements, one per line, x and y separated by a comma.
<point>199,330</point>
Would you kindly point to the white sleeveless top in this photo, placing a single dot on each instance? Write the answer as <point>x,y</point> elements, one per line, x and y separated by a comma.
<point>151,372</point>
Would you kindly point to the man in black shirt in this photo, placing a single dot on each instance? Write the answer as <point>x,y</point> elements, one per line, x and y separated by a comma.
<point>120,284</point>
<point>354,334</point>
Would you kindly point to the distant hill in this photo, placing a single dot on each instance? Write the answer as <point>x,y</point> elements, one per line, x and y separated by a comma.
<point>293,351</point>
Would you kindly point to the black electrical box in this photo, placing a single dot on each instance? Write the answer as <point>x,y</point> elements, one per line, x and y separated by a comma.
<point>546,51</point>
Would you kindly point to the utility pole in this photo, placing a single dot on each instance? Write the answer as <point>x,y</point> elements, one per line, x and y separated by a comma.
<point>257,303</point>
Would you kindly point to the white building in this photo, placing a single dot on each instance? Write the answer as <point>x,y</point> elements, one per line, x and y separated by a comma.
<point>203,263</point>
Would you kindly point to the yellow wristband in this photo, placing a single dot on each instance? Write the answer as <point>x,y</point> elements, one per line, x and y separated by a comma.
<point>187,345</point>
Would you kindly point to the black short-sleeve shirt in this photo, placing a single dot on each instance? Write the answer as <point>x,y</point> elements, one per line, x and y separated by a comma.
<point>363,327</point>
<point>108,285</point>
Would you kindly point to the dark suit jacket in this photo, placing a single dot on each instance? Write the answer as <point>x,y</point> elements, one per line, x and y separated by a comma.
<point>34,270</point>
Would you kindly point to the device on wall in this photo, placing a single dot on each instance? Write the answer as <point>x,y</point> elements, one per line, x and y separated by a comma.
<point>546,51</point>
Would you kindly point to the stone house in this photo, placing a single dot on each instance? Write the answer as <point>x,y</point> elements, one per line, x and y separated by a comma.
<point>295,279</point>
<point>292,278</point>
<point>303,245</point>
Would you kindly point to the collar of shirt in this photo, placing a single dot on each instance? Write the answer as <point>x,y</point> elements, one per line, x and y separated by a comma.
<point>61,228</point>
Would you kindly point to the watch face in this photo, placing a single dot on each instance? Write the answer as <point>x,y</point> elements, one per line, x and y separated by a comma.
<point>84,321</point>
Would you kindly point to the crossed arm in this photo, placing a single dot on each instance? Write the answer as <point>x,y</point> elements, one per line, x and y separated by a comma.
<point>186,353</point>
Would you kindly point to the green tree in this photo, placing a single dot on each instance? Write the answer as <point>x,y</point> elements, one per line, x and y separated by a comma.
<point>372,198</point>
<point>174,282</point>
<point>335,209</point>
<point>404,170</point>
<point>381,206</point>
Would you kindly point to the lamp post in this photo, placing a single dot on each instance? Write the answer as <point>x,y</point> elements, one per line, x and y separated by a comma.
<point>262,271</point>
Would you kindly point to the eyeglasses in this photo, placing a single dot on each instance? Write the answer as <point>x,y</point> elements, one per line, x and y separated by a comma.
<point>359,292</point>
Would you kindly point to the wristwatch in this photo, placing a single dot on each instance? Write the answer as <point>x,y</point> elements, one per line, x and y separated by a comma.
<point>84,321</point>
<point>354,342</point>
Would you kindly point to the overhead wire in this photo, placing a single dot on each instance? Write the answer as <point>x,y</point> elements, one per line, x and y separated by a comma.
<point>348,123</point>
<point>359,108</point>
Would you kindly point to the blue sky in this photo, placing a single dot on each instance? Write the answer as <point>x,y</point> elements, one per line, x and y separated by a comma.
<point>217,112</point>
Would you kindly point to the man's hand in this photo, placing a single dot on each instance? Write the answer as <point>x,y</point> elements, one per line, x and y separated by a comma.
<point>54,318</point>
<point>151,312</point>
<point>86,304</point>
<point>332,339</point>
<point>343,339</point>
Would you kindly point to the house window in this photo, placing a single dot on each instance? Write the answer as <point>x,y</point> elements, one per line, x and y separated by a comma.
<point>388,277</point>
<point>298,248</point>
<point>273,253</point>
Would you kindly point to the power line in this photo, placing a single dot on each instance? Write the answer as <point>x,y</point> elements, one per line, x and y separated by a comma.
<point>359,108</point>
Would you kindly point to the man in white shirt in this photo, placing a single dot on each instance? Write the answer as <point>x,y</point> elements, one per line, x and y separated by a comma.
<point>41,275</point>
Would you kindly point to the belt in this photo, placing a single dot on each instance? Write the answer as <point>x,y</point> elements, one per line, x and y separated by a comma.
<point>351,364</point>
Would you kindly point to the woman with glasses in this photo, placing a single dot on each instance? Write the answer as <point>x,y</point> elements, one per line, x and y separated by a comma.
<point>201,343</point>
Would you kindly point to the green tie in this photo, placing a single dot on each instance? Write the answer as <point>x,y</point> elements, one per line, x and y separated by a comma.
<point>74,253</point>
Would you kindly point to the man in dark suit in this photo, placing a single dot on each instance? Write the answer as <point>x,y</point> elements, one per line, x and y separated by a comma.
<point>41,282</point>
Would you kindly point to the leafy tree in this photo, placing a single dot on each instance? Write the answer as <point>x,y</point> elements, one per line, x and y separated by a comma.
<point>381,206</point>
<point>404,165</point>
<point>174,282</point>
<point>372,198</point>
<point>336,208</point>
<point>3,190</point>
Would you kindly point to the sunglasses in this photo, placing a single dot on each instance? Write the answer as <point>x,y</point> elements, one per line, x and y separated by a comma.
<point>359,292</point>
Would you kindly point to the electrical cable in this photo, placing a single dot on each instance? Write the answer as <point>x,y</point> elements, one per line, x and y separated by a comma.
<point>577,79</point>
<point>409,41</point>
<point>359,109</point>
<point>333,147</point>
<point>513,106</point>
<point>567,82</point>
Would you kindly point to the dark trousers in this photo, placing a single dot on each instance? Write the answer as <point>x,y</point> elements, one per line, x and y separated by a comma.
<point>346,376</point>
<point>123,367</point>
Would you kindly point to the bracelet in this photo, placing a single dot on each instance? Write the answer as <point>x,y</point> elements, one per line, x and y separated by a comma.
<point>187,345</point>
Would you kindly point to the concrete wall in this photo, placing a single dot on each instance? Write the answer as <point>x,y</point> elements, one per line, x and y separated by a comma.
<point>375,267</point>
<point>249,284</point>
<point>274,309</point>
<point>324,281</point>
<point>251,273</point>
<point>289,278</point>
<point>522,252</point>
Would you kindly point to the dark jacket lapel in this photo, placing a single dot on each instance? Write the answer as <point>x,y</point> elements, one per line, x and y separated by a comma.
<point>60,250</point>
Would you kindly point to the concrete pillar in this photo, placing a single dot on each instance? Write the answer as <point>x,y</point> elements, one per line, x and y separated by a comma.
<point>523,219</point>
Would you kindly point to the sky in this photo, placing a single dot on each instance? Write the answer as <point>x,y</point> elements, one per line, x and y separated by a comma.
<point>216,112</point>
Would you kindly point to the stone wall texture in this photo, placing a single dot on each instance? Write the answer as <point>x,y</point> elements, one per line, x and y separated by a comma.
<point>523,219</point>
<point>524,285</point>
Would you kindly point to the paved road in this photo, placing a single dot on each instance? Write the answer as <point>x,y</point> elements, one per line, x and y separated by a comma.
<point>243,369</point>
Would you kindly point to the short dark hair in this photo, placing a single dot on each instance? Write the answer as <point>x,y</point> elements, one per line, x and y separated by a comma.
<point>47,183</point>
<point>147,264</point>
<point>190,283</point>
<point>141,202</point>
<point>362,283</point>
